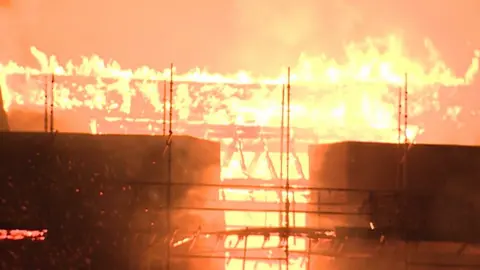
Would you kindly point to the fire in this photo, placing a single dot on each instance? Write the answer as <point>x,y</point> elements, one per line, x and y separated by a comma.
<point>343,94</point>
<point>340,100</point>
<point>33,235</point>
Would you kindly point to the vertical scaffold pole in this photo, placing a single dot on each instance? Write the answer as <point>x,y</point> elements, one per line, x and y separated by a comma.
<point>282,143</point>
<point>245,247</point>
<point>170,171</point>
<point>399,128</point>
<point>287,182</point>
<point>45,120</point>
<point>52,103</point>
<point>405,130</point>
<point>399,182</point>
<point>164,108</point>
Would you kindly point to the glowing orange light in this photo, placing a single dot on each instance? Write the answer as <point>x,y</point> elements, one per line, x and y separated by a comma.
<point>33,235</point>
<point>341,101</point>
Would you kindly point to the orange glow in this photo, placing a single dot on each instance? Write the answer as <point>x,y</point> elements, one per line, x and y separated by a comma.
<point>348,95</point>
<point>340,100</point>
<point>34,235</point>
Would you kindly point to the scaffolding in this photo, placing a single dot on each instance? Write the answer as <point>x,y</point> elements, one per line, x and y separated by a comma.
<point>330,202</point>
<point>49,103</point>
<point>372,207</point>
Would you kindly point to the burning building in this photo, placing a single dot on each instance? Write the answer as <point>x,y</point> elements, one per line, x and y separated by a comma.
<point>103,198</point>
<point>330,103</point>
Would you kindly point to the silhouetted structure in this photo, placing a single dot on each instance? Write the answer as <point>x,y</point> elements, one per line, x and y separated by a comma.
<point>102,198</point>
<point>437,207</point>
<point>3,114</point>
<point>356,217</point>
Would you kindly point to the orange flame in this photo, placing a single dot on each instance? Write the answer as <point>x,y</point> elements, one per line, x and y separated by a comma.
<point>348,94</point>
<point>34,235</point>
<point>347,98</point>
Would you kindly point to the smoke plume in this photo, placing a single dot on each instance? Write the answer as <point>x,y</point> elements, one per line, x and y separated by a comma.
<point>226,36</point>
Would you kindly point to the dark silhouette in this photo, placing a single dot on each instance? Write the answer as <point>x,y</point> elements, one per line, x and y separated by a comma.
<point>3,114</point>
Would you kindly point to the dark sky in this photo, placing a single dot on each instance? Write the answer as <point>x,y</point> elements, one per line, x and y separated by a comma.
<point>229,35</point>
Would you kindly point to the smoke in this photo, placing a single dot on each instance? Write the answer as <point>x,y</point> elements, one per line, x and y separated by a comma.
<point>286,28</point>
<point>226,36</point>
<point>17,23</point>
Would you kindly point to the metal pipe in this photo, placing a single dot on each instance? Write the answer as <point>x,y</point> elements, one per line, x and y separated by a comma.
<point>406,109</point>
<point>171,100</point>
<point>52,102</point>
<point>197,256</point>
<point>282,123</point>
<point>406,144</point>
<point>170,171</point>
<point>45,121</point>
<point>245,253</point>
<point>405,151</point>
<point>164,107</point>
<point>399,179</point>
<point>309,252</point>
<point>400,90</point>
<point>259,187</point>
<point>246,209</point>
<point>287,186</point>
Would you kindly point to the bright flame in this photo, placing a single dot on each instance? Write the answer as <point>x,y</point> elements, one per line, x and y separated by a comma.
<point>340,100</point>
<point>33,235</point>
<point>325,92</point>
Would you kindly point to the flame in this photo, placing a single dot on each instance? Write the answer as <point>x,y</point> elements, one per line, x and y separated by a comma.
<point>348,94</point>
<point>342,100</point>
<point>33,235</point>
